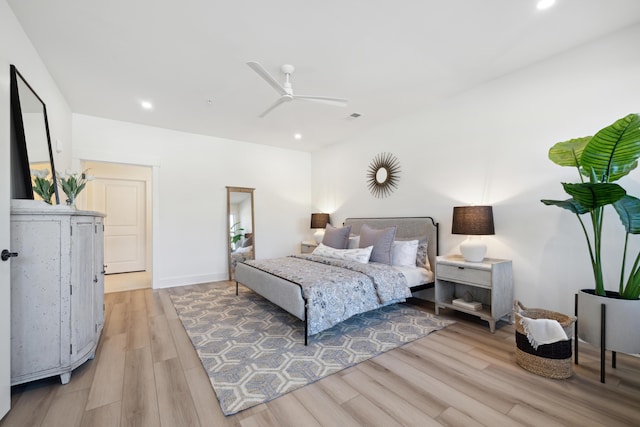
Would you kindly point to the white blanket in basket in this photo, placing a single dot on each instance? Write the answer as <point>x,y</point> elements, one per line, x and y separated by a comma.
<point>542,331</point>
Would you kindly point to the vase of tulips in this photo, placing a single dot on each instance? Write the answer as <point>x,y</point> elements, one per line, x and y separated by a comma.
<point>42,184</point>
<point>72,184</point>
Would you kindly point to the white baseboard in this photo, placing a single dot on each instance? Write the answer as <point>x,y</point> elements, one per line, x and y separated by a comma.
<point>171,282</point>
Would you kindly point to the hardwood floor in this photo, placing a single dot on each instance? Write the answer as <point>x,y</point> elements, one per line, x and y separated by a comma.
<point>146,373</point>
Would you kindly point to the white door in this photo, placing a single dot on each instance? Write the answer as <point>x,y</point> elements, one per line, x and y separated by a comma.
<point>5,274</point>
<point>124,202</point>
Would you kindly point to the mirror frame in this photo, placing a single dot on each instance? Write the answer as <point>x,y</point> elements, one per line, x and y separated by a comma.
<point>390,164</point>
<point>22,187</point>
<point>253,230</point>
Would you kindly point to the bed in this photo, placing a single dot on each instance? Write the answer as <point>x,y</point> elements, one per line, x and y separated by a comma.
<point>241,255</point>
<point>292,282</point>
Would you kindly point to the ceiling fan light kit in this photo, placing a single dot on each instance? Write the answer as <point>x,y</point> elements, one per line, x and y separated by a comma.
<point>285,90</point>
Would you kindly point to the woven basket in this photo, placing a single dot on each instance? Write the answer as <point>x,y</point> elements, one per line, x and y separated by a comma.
<point>548,360</point>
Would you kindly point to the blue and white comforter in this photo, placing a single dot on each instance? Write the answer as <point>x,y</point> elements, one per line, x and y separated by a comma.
<point>336,289</point>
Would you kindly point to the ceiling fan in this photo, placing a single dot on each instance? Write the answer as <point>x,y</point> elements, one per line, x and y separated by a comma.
<point>285,90</point>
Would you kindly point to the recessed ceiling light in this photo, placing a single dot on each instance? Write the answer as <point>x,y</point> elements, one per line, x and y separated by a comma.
<point>146,105</point>
<point>545,4</point>
<point>297,136</point>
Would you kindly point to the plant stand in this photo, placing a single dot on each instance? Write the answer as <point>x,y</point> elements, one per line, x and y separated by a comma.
<point>603,324</point>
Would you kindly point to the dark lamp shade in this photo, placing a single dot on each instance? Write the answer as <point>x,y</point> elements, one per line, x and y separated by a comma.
<point>320,220</point>
<point>473,220</point>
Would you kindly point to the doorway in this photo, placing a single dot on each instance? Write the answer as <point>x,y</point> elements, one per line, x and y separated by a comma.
<point>123,192</point>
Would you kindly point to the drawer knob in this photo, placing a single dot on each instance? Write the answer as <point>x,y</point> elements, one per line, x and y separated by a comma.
<point>460,268</point>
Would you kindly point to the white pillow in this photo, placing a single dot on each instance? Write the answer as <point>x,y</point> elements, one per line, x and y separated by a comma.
<point>360,255</point>
<point>354,242</point>
<point>244,250</point>
<point>403,252</point>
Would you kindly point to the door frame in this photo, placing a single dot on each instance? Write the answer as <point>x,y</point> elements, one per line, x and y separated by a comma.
<point>5,242</point>
<point>108,172</point>
<point>154,164</point>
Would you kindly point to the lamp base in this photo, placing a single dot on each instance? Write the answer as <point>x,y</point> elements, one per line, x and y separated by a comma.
<point>473,249</point>
<point>319,235</point>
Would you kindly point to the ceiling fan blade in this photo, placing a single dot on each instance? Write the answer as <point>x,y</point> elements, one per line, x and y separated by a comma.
<point>266,76</point>
<point>338,102</point>
<point>280,100</point>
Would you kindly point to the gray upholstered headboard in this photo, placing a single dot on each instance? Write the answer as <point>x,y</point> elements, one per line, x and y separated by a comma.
<point>407,227</point>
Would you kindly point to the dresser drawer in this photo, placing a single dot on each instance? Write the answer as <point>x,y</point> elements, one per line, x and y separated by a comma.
<point>464,275</point>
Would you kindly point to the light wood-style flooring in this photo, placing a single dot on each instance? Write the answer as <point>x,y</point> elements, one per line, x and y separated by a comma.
<point>146,373</point>
<point>127,281</point>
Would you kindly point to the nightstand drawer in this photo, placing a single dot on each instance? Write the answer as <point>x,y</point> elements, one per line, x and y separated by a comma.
<point>464,275</point>
<point>307,247</point>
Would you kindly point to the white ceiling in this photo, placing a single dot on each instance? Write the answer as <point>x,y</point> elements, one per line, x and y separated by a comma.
<point>389,58</point>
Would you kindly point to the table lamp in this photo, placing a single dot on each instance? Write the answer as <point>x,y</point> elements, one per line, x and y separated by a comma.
<point>319,221</point>
<point>473,221</point>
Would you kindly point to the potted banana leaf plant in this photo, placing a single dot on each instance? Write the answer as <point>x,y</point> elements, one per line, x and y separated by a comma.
<point>236,234</point>
<point>600,160</point>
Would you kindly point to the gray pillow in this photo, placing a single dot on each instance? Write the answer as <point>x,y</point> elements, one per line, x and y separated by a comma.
<point>337,238</point>
<point>380,239</point>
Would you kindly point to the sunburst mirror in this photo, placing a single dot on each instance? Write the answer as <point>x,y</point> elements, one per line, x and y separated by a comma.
<point>383,175</point>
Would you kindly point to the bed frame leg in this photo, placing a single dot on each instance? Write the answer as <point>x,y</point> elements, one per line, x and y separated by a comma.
<point>306,326</point>
<point>236,288</point>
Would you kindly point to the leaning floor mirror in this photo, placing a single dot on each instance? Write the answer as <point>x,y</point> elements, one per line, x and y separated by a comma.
<point>240,231</point>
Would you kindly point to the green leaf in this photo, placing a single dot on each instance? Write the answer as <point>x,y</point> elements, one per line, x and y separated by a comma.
<point>613,152</point>
<point>593,196</point>
<point>628,209</point>
<point>569,204</point>
<point>568,153</point>
<point>632,289</point>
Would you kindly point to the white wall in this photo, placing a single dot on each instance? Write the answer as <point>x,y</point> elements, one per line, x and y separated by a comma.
<point>190,172</point>
<point>16,49</point>
<point>190,175</point>
<point>489,146</point>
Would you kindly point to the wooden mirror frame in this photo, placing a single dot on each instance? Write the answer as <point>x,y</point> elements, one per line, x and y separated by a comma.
<point>253,231</point>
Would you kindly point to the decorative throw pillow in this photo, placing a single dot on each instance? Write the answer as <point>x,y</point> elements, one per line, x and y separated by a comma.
<point>354,242</point>
<point>360,255</point>
<point>403,252</point>
<point>336,237</point>
<point>380,239</point>
<point>422,260</point>
<point>244,250</point>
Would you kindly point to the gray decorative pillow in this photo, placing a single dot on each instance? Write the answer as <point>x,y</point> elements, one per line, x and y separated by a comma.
<point>422,260</point>
<point>337,238</point>
<point>380,239</point>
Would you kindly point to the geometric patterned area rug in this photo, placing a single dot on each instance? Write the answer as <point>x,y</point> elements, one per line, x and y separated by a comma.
<point>253,351</point>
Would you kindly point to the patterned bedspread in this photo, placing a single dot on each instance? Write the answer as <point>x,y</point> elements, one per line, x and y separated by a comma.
<point>335,289</point>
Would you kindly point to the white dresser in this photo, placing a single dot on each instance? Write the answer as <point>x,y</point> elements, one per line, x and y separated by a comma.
<point>57,289</point>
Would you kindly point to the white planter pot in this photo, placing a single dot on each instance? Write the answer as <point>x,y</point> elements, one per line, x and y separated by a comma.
<point>622,322</point>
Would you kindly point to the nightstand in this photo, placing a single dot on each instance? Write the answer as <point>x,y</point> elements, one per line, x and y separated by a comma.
<point>489,282</point>
<point>307,247</point>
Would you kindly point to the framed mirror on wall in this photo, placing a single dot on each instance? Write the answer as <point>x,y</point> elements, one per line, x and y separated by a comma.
<point>240,229</point>
<point>30,140</point>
